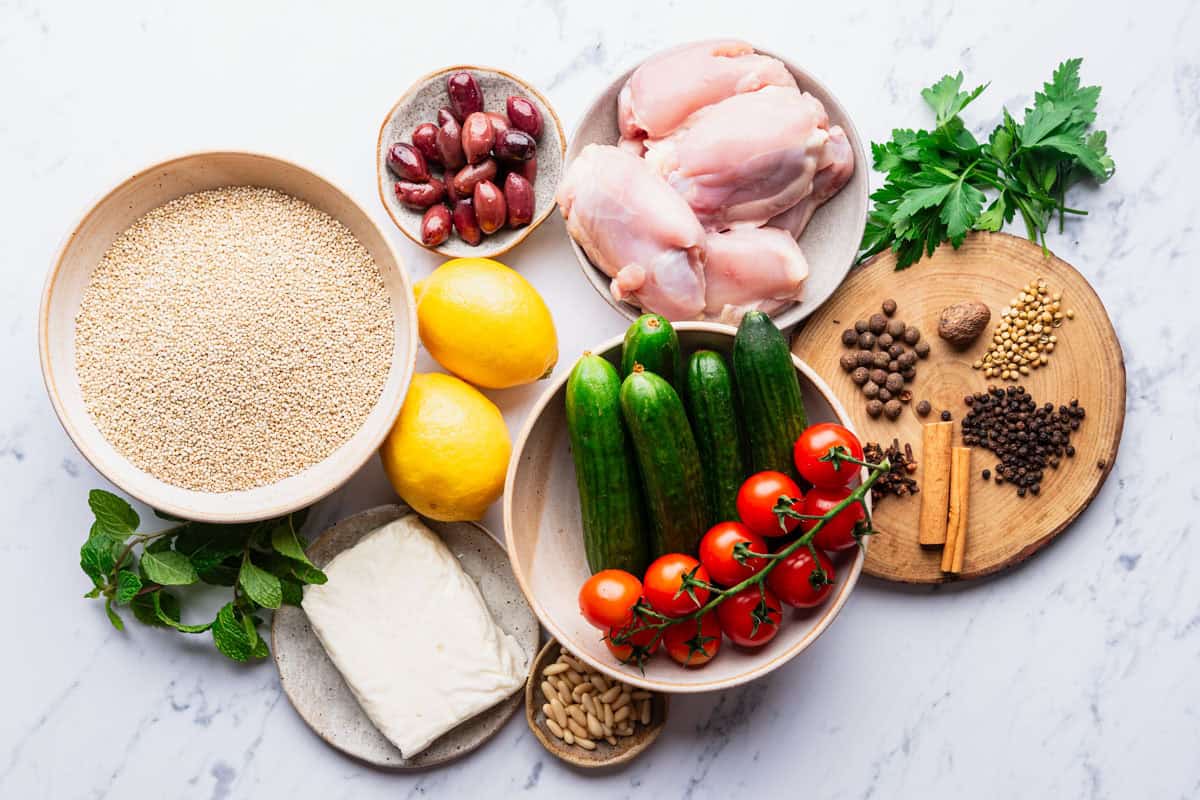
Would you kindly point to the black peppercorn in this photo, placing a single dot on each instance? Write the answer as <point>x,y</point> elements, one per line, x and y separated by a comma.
<point>987,474</point>
<point>945,416</point>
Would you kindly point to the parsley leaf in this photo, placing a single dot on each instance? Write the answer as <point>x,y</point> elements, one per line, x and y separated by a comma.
<point>942,183</point>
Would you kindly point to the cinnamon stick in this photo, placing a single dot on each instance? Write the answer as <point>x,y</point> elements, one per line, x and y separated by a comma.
<point>935,483</point>
<point>956,520</point>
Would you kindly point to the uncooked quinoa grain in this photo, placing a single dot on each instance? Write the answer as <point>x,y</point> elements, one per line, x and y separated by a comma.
<point>231,338</point>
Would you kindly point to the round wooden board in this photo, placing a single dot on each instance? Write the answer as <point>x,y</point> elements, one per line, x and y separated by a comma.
<point>1002,528</point>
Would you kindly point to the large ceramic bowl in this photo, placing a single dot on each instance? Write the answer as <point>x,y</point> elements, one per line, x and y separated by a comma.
<point>545,544</point>
<point>81,253</point>
<point>830,242</point>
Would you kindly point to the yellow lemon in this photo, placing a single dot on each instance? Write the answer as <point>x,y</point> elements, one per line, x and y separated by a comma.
<point>486,324</point>
<point>447,454</point>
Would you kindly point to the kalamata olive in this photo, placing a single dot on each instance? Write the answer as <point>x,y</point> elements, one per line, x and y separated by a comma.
<point>518,195</point>
<point>435,225</point>
<point>466,178</point>
<point>527,169</point>
<point>424,138</point>
<point>490,207</point>
<point>499,122</point>
<point>451,194</point>
<point>524,116</point>
<point>465,95</point>
<point>477,138</point>
<point>407,162</point>
<point>420,195</point>
<point>465,223</point>
<point>444,113</point>
<point>449,141</point>
<point>515,145</point>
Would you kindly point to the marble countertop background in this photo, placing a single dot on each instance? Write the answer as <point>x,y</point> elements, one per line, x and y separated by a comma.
<point>1074,675</point>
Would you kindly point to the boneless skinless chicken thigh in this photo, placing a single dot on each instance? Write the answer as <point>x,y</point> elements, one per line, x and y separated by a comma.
<point>747,158</point>
<point>637,230</point>
<point>667,88</point>
<point>752,268</point>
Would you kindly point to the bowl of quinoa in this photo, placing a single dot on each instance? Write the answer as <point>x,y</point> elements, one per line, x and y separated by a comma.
<point>227,336</point>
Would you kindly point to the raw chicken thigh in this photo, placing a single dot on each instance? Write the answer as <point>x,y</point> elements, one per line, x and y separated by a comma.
<point>666,89</point>
<point>747,158</point>
<point>637,230</point>
<point>833,171</point>
<point>752,268</point>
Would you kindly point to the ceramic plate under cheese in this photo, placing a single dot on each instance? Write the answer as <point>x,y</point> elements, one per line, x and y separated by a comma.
<point>320,694</point>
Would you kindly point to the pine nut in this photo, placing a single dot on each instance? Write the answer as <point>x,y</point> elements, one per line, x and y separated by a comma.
<point>554,669</point>
<point>611,740</point>
<point>577,713</point>
<point>609,720</point>
<point>577,729</point>
<point>574,663</point>
<point>560,713</point>
<point>610,695</point>
<point>590,706</point>
<point>547,711</point>
<point>554,728</point>
<point>594,727</point>
<point>622,713</point>
<point>640,695</point>
<point>568,737</point>
<point>549,691</point>
<point>573,677</point>
<point>599,682</point>
<point>586,744</point>
<point>622,700</point>
<point>645,715</point>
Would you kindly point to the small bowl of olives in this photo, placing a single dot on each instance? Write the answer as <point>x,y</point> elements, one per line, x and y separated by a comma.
<point>468,161</point>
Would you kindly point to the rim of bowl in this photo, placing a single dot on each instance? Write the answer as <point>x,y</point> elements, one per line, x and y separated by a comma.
<point>278,508</point>
<point>794,313</point>
<point>828,612</point>
<point>521,233</point>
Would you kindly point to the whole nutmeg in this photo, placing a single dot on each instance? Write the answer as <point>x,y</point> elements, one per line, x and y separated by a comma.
<point>961,323</point>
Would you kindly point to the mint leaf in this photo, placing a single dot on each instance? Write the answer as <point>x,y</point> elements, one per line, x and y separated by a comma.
<point>163,615</point>
<point>169,568</point>
<point>113,514</point>
<point>129,583</point>
<point>286,543</point>
<point>113,616</point>
<point>307,574</point>
<point>147,607</point>
<point>261,586</point>
<point>98,556</point>
<point>293,592</point>
<point>230,636</point>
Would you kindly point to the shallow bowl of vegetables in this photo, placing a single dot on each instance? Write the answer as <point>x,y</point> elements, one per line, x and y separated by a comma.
<point>688,509</point>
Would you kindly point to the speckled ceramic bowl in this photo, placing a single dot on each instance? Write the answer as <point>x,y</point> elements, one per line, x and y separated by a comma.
<point>420,104</point>
<point>830,242</point>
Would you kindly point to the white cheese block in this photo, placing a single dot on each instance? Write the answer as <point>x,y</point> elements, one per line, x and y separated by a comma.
<point>410,633</point>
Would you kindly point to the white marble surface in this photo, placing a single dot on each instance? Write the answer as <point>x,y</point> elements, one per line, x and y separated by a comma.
<point>1074,675</point>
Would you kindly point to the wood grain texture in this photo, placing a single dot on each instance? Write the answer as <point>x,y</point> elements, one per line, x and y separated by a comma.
<point>1087,364</point>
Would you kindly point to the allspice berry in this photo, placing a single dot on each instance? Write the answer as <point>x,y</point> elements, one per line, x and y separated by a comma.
<point>866,340</point>
<point>864,358</point>
<point>879,376</point>
<point>877,324</point>
<point>860,326</point>
<point>874,409</point>
<point>924,407</point>
<point>894,382</point>
<point>871,389</point>
<point>848,361</point>
<point>895,351</point>
<point>859,375</point>
<point>849,337</point>
<point>896,328</point>
<point>892,409</point>
<point>889,306</point>
<point>884,341</point>
<point>885,394</point>
<point>911,335</point>
<point>922,349</point>
<point>880,360</point>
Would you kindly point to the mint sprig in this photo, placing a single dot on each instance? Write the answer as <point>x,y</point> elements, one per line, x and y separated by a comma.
<point>263,562</point>
<point>943,183</point>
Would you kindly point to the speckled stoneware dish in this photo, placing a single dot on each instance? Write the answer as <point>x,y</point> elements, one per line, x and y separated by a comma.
<point>543,535</point>
<point>830,242</point>
<point>420,104</point>
<point>605,755</point>
<point>315,687</point>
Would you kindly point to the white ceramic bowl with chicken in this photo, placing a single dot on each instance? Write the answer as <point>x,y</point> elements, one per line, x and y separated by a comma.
<point>829,242</point>
<point>544,538</point>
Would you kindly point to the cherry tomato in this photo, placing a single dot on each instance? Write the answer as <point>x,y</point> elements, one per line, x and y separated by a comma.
<point>694,643</point>
<point>606,599</point>
<point>757,498</point>
<point>645,640</point>
<point>795,581</point>
<point>837,533</point>
<point>741,618</point>
<point>664,580</point>
<point>716,552</point>
<point>814,444</point>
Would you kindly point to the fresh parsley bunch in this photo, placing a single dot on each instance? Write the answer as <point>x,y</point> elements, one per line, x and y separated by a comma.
<point>938,181</point>
<point>264,562</point>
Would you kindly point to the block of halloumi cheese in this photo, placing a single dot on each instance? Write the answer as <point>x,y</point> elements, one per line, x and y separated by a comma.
<point>411,635</point>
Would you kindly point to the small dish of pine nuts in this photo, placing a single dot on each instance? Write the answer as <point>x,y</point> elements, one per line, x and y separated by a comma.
<point>587,718</point>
